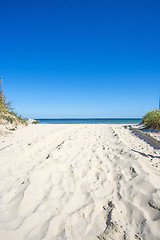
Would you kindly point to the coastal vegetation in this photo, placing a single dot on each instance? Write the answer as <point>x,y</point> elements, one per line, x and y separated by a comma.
<point>152,119</point>
<point>35,122</point>
<point>8,115</point>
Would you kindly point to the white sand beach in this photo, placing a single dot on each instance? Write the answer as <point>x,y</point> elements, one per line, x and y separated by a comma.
<point>78,182</point>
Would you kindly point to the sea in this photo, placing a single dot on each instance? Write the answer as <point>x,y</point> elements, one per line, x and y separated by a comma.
<point>90,121</point>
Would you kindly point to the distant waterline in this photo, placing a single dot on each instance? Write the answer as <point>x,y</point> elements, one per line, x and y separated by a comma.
<point>91,121</point>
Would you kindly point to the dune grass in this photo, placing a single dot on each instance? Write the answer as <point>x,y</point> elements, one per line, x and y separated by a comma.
<point>3,107</point>
<point>7,113</point>
<point>152,119</point>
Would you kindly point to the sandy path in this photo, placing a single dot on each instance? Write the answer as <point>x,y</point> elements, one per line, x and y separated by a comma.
<point>78,182</point>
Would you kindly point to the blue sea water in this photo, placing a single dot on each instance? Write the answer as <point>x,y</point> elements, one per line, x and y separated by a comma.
<point>91,121</point>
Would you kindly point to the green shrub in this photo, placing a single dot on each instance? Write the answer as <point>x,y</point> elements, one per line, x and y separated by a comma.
<point>35,122</point>
<point>152,119</point>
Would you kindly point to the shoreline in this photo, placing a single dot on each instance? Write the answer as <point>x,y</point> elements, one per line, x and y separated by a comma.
<point>91,121</point>
<point>78,181</point>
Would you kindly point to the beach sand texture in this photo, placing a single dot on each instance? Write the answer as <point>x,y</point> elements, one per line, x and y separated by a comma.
<point>78,182</point>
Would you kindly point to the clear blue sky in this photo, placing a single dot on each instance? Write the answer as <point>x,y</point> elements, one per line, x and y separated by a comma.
<point>80,58</point>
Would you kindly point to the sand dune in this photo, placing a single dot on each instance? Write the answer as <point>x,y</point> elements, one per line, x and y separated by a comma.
<point>78,182</point>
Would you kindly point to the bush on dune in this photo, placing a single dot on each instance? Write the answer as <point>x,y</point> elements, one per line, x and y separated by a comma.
<point>152,119</point>
<point>35,122</point>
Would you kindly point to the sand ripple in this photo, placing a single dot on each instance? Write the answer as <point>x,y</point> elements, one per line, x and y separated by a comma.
<point>78,182</point>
